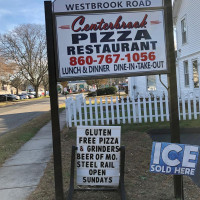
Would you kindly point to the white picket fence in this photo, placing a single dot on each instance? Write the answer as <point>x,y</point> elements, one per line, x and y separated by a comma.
<point>111,111</point>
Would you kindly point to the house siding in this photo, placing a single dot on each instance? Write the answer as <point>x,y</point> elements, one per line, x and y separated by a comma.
<point>191,49</point>
<point>138,85</point>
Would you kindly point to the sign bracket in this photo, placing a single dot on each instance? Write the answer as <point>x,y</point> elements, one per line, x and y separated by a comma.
<point>121,187</point>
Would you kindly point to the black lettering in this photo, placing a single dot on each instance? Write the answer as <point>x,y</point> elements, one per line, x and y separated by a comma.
<point>142,34</point>
<point>70,6</point>
<point>106,49</point>
<point>89,49</point>
<point>107,37</point>
<point>125,47</point>
<point>93,37</point>
<point>115,48</point>
<point>135,47</point>
<point>71,50</point>
<point>77,37</point>
<point>80,50</point>
<point>153,44</point>
<point>119,4</point>
<point>124,35</point>
<point>128,4</point>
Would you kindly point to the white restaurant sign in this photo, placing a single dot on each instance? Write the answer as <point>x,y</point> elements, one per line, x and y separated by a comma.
<point>110,44</point>
<point>98,155</point>
<point>61,6</point>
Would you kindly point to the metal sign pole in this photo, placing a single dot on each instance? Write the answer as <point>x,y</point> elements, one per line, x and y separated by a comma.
<point>173,97</point>
<point>54,103</point>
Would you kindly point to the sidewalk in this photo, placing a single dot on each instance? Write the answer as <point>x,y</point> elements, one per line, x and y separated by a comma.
<point>20,174</point>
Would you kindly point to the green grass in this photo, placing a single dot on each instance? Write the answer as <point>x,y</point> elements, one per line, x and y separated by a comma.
<point>13,140</point>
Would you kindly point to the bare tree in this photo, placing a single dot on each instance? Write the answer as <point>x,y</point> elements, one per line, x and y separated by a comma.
<point>6,70</point>
<point>26,46</point>
<point>45,83</point>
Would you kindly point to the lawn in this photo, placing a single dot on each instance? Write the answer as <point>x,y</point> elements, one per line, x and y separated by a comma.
<point>140,184</point>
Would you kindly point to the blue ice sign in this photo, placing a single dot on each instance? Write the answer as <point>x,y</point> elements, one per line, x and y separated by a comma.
<point>170,158</point>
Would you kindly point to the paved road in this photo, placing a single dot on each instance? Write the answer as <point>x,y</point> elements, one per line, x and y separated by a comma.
<point>15,115</point>
<point>188,136</point>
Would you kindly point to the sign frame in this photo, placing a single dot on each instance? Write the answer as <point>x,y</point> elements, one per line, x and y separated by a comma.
<point>120,188</point>
<point>128,74</point>
<point>53,78</point>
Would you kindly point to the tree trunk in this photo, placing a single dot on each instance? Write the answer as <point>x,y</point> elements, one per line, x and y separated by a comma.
<point>45,91</point>
<point>36,91</point>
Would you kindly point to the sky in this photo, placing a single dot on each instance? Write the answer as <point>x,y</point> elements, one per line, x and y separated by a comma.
<point>16,12</point>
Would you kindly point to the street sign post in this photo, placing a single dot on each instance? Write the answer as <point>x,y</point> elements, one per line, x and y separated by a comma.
<point>90,40</point>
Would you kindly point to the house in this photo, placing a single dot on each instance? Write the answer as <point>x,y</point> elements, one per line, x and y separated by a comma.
<point>7,89</point>
<point>186,21</point>
<point>76,86</point>
<point>187,28</point>
<point>143,85</point>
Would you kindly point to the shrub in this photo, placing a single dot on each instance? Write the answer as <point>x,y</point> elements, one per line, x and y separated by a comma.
<point>101,92</point>
<point>111,90</point>
<point>91,94</point>
<point>106,91</point>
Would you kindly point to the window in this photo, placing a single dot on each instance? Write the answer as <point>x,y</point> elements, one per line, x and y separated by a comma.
<point>151,83</point>
<point>195,74</point>
<point>186,73</point>
<point>184,31</point>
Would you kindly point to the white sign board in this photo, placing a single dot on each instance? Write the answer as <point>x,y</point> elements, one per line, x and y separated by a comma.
<point>82,5</point>
<point>111,44</point>
<point>98,155</point>
<point>177,159</point>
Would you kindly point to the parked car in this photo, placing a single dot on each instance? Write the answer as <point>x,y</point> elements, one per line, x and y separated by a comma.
<point>17,97</point>
<point>11,97</point>
<point>30,95</point>
<point>25,96</point>
<point>2,97</point>
<point>22,96</point>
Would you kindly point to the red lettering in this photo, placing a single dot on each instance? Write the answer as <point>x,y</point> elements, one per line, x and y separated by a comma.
<point>102,25</point>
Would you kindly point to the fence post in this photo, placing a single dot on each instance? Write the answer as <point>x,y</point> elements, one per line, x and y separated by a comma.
<point>91,114</point>
<point>112,111</point>
<point>74,111</point>
<point>183,107</point>
<point>134,110</point>
<point>128,110</point>
<point>101,109</point>
<point>167,106</point>
<point>123,110</point>
<point>195,106</point>
<point>161,107</point>
<point>189,107</point>
<point>117,105</point>
<point>150,109</point>
<point>96,112</point>
<point>107,114</point>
